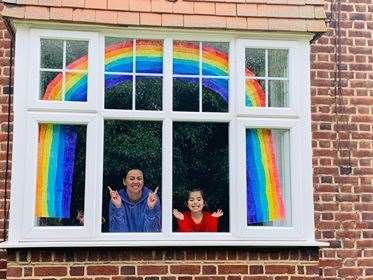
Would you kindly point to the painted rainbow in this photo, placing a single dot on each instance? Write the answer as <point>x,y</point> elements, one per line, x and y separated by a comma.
<point>264,199</point>
<point>55,168</point>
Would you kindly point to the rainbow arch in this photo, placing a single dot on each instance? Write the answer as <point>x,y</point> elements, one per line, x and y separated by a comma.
<point>264,199</point>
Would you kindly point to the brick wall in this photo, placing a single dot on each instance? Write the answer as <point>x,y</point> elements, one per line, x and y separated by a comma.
<point>343,203</point>
<point>4,80</point>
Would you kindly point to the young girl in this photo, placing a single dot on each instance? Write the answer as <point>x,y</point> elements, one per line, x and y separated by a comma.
<point>196,220</point>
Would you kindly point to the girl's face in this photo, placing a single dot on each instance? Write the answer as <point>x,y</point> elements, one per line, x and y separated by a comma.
<point>195,202</point>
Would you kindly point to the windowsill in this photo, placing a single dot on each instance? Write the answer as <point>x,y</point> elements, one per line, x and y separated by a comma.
<point>152,243</point>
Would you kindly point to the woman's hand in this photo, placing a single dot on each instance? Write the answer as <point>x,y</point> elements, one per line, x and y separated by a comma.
<point>152,199</point>
<point>115,198</point>
<point>178,215</point>
<point>217,214</point>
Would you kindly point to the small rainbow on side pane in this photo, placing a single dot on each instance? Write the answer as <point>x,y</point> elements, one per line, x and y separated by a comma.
<point>55,168</point>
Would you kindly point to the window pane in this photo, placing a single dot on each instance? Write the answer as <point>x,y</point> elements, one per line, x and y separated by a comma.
<point>278,93</point>
<point>132,145</point>
<point>277,63</point>
<point>186,58</point>
<point>118,55</point>
<point>51,85</point>
<point>76,87</point>
<point>149,56</point>
<point>215,95</point>
<point>200,160</point>
<point>186,94</point>
<point>215,59</point>
<point>255,93</point>
<point>51,54</point>
<point>266,176</point>
<point>255,62</point>
<point>60,175</point>
<point>148,93</point>
<point>118,92</point>
<point>77,55</point>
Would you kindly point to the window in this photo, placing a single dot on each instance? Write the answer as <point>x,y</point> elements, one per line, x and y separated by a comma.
<point>214,127</point>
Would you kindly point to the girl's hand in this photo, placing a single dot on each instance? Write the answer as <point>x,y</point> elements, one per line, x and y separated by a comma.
<point>152,199</point>
<point>178,215</point>
<point>115,198</point>
<point>217,214</point>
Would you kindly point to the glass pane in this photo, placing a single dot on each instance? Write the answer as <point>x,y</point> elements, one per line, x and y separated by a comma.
<point>215,59</point>
<point>51,86</point>
<point>186,58</point>
<point>149,56</point>
<point>148,93</point>
<point>255,62</point>
<point>278,93</point>
<point>76,87</point>
<point>200,161</point>
<point>214,95</point>
<point>277,63</point>
<point>130,145</point>
<point>255,93</point>
<point>60,177</point>
<point>51,54</point>
<point>77,55</point>
<point>266,177</point>
<point>118,55</point>
<point>118,92</point>
<point>186,94</point>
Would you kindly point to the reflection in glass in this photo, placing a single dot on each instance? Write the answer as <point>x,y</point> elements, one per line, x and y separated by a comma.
<point>118,92</point>
<point>148,93</point>
<point>186,58</point>
<point>77,55</point>
<point>75,86</point>
<point>60,177</point>
<point>215,59</point>
<point>118,55</point>
<point>278,63</point>
<point>186,94</point>
<point>255,62</point>
<point>131,145</point>
<point>149,56</point>
<point>51,85</point>
<point>51,53</point>
<point>265,175</point>
<point>200,159</point>
<point>255,93</point>
<point>278,93</point>
<point>214,95</point>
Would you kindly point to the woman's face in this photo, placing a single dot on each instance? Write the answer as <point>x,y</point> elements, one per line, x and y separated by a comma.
<point>195,202</point>
<point>134,181</point>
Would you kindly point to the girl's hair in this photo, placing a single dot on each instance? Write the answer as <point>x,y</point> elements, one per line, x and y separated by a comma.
<point>195,189</point>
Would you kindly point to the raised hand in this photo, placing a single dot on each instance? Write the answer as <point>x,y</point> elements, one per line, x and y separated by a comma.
<point>178,215</point>
<point>152,199</point>
<point>115,198</point>
<point>217,214</point>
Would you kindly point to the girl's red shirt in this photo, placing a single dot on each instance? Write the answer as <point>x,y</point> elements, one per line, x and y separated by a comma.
<point>207,224</point>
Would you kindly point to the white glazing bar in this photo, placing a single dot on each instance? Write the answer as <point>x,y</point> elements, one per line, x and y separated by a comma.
<point>200,77</point>
<point>266,78</point>
<point>133,74</point>
<point>64,71</point>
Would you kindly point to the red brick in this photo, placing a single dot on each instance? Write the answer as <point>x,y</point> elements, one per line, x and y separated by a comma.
<point>50,271</point>
<point>232,269</point>
<point>152,269</point>
<point>102,270</point>
<point>185,269</point>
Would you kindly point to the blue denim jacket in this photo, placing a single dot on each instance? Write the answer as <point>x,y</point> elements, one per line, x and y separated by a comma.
<point>134,216</point>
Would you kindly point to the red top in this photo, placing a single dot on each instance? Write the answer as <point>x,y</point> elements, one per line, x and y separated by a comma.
<point>207,224</point>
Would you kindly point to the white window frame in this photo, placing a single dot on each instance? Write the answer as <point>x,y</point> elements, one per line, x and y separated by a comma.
<point>29,111</point>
